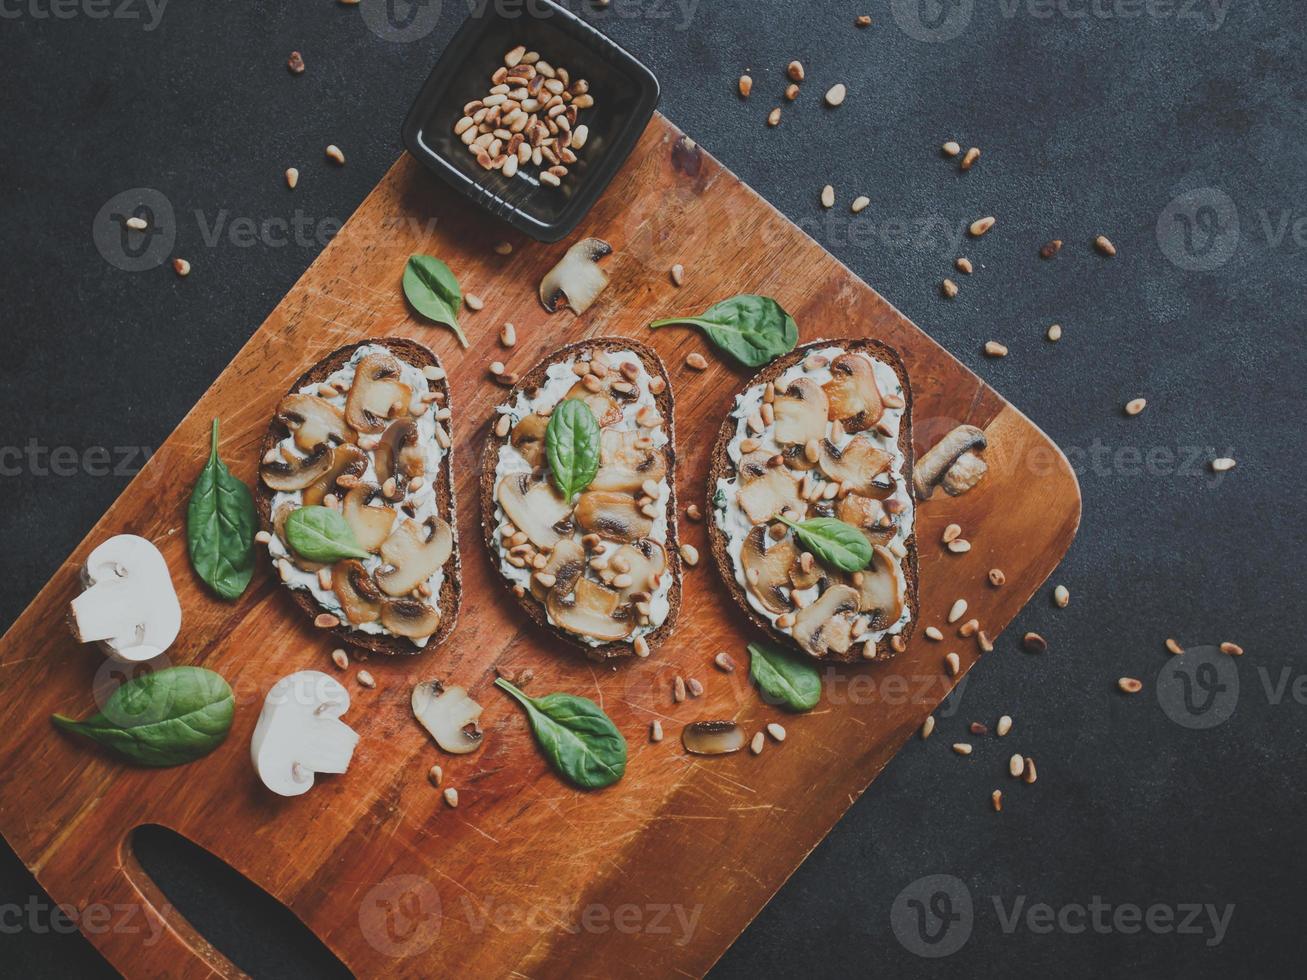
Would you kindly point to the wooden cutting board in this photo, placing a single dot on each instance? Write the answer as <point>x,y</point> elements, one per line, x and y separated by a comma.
<point>657,875</point>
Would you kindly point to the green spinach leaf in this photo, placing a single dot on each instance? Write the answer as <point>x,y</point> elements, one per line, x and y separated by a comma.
<point>578,739</point>
<point>752,329</point>
<point>433,291</point>
<point>322,534</point>
<point>784,679</point>
<point>166,718</point>
<point>572,446</point>
<point>220,523</point>
<point>834,542</point>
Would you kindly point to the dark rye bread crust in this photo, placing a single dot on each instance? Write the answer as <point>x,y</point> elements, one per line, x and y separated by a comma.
<point>450,596</point>
<point>490,458</point>
<point>722,467</point>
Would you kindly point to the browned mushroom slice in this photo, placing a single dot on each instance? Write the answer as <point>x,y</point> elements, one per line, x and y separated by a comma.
<point>606,411</point>
<point>377,393</point>
<point>852,392</point>
<point>412,553</point>
<point>591,610</point>
<point>566,563</point>
<point>533,506</point>
<point>398,453</point>
<point>932,467</point>
<point>880,592</point>
<point>614,516</point>
<point>856,466</point>
<point>346,460</point>
<point>279,518</point>
<point>800,413</point>
<point>806,572</point>
<point>712,737</point>
<point>577,277</point>
<point>964,474</point>
<point>766,490</point>
<point>313,421</point>
<point>767,565</point>
<point>409,617</point>
<point>370,522</point>
<point>358,595</point>
<point>796,458</point>
<point>827,624</point>
<point>287,476</point>
<point>626,461</point>
<point>529,439</point>
<point>867,515</point>
<point>644,561</point>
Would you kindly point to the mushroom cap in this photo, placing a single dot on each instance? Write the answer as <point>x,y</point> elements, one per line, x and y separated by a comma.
<point>129,606</point>
<point>856,465</point>
<point>313,421</point>
<point>375,392</point>
<point>767,565</point>
<point>591,610</point>
<point>566,563</point>
<point>766,491</point>
<point>614,516</point>
<point>397,453</point>
<point>712,737</point>
<point>287,476</point>
<point>534,507</point>
<point>852,392</point>
<point>449,715</point>
<point>827,624</point>
<point>626,461</point>
<point>371,524</point>
<point>645,561</point>
<point>528,438</point>
<point>601,403</point>
<point>299,732</point>
<point>410,617</point>
<point>881,589</point>
<point>801,411</point>
<point>345,459</point>
<point>359,597</point>
<point>412,554</point>
<point>577,276</point>
<point>931,467</point>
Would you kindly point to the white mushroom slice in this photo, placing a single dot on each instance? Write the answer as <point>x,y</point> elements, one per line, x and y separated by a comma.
<point>606,411</point>
<point>767,566</point>
<point>577,277</point>
<point>358,595</point>
<point>852,393</point>
<point>856,466</point>
<point>766,491</point>
<point>867,515</point>
<point>376,392</point>
<point>300,734</point>
<point>346,460</point>
<point>566,563</point>
<point>410,617</point>
<point>452,718</point>
<point>591,610</point>
<point>285,476</point>
<point>370,522</point>
<point>827,624</point>
<point>624,466</point>
<point>644,561</point>
<point>534,507</point>
<point>712,737</point>
<point>931,468</point>
<point>398,454</point>
<point>614,516</point>
<point>880,592</point>
<point>412,554</point>
<point>964,474</point>
<point>800,413</point>
<point>130,607</point>
<point>529,439</point>
<point>313,421</point>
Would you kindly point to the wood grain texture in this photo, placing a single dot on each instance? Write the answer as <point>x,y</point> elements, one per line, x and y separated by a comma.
<point>654,876</point>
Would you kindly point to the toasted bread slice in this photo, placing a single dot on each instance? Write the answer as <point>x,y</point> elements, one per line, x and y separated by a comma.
<point>776,576</point>
<point>609,508</point>
<point>416,510</point>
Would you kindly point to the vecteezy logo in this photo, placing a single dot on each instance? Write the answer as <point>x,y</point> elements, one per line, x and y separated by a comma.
<point>401,916</point>
<point>1199,230</point>
<point>148,705</point>
<point>1199,688</point>
<point>135,249</point>
<point>932,916</point>
<point>401,21</point>
<point>932,20</point>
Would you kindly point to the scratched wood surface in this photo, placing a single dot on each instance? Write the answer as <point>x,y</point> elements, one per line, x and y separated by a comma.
<point>657,875</point>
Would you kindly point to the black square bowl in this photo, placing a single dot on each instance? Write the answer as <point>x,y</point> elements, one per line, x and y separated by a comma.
<point>625,93</point>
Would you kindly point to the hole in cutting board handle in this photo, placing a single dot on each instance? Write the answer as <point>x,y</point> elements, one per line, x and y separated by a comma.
<point>238,918</point>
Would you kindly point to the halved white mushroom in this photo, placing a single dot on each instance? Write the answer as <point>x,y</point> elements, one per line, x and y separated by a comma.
<point>856,465</point>
<point>377,393</point>
<point>767,566</point>
<point>932,467</point>
<point>827,624</point>
<point>412,554</point>
<point>313,421</point>
<point>398,453</point>
<point>410,617</point>
<point>712,737</point>
<point>371,522</point>
<point>287,476</point>
<point>534,507</point>
<point>644,561</point>
<point>449,715</point>
<point>300,734</point>
<point>867,515</point>
<point>130,607</point>
<point>605,410</point>
<point>577,277</point>
<point>346,460</point>
<point>626,462</point>
<point>615,516</point>
<point>591,610</point>
<point>766,491</point>
<point>852,393</point>
<point>566,563</point>
<point>529,439</point>
<point>800,413</point>
<point>880,590</point>
<point>358,595</point>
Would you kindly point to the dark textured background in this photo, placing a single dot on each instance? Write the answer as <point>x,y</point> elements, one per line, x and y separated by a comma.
<point>1090,120</point>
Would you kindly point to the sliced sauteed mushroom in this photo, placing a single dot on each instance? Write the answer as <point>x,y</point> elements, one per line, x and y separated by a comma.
<point>712,737</point>
<point>286,476</point>
<point>452,718</point>
<point>591,610</point>
<point>932,467</point>
<point>644,562</point>
<point>624,466</point>
<point>766,491</point>
<point>398,453</point>
<point>377,393</point>
<point>409,617</point>
<point>854,397</point>
<point>346,459</point>
<point>800,413</point>
<point>565,565</point>
<point>867,515</point>
<point>606,411</point>
<point>827,624</point>
<point>534,507</point>
<point>796,458</point>
<point>358,595</point>
<point>879,590</point>
<point>370,522</point>
<point>279,518</point>
<point>856,466</point>
<point>964,474</point>
<point>529,439</point>
<point>412,553</point>
<point>767,566</point>
<point>313,421</point>
<point>577,277</point>
<point>615,516</point>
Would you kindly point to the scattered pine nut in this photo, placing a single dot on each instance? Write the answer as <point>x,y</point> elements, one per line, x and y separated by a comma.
<point>996,800</point>
<point>508,335</point>
<point>365,679</point>
<point>136,224</point>
<point>1174,647</point>
<point>656,731</point>
<point>678,274</point>
<point>1004,726</point>
<point>694,513</point>
<point>503,425</point>
<point>951,149</point>
<point>758,743</point>
<point>969,628</point>
<point>959,547</point>
<point>292,177</point>
<point>795,71</point>
<point>776,731</point>
<point>1034,643</point>
<point>503,248</point>
<point>1130,685</point>
<point>1135,406</point>
<point>860,204</point>
<point>695,687</point>
<point>964,265</point>
<point>952,533</point>
<point>980,226</point>
<point>835,95</point>
<point>640,646</point>
<point>933,633</point>
<point>978,728</point>
<point>324,621</point>
<point>954,664</point>
<point>774,117</point>
<point>295,63</point>
<point>1061,596</point>
<point>690,554</point>
<point>970,159</point>
<point>335,155</point>
<point>746,86</point>
<point>340,658</point>
<point>436,775</point>
<point>181,267</point>
<point>994,349</point>
<point>1054,333</point>
<point>927,726</point>
<point>474,302</point>
<point>678,689</point>
<point>862,21</point>
<point>1104,245</point>
<point>1222,465</point>
<point>725,662</point>
<point>451,797</point>
<point>1030,775</point>
<point>263,537</point>
<point>962,748</point>
<point>996,577</point>
<point>791,91</point>
<point>949,288</point>
<point>696,361</point>
<point>828,196</point>
<point>1016,766</point>
<point>983,641</point>
<point>957,611</point>
<point>1231,649</point>
<point>1050,249</point>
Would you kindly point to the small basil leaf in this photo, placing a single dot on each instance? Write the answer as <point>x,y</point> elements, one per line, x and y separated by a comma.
<point>784,679</point>
<point>433,291</point>
<point>579,740</point>
<point>755,330</point>
<point>572,446</point>
<point>220,523</point>
<point>165,718</point>
<point>322,534</point>
<point>834,542</point>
